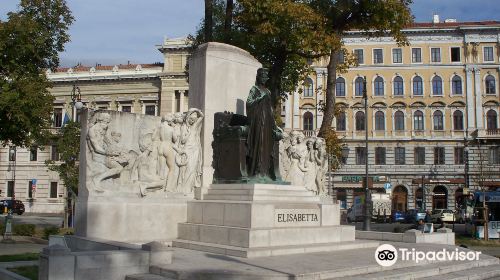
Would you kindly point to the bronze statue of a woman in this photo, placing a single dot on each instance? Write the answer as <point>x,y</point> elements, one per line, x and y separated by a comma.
<point>262,132</point>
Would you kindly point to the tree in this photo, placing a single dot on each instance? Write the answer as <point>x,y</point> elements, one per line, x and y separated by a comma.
<point>228,21</point>
<point>30,41</point>
<point>375,17</point>
<point>67,143</point>
<point>208,22</point>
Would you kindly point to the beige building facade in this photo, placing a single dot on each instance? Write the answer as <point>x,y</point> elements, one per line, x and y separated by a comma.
<point>432,106</point>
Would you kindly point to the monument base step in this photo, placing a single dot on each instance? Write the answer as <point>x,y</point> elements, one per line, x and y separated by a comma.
<point>272,251</point>
<point>147,276</point>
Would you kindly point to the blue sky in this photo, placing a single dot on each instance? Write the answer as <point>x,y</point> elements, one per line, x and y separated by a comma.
<point>117,31</point>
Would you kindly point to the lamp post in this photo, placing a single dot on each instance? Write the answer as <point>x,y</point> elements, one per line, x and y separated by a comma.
<point>12,154</point>
<point>367,215</point>
<point>76,101</point>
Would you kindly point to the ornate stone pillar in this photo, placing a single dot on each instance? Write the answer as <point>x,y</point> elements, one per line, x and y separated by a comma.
<point>479,98</point>
<point>319,97</point>
<point>288,111</point>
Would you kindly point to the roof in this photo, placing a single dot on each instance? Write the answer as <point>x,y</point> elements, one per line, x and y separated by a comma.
<point>82,68</point>
<point>454,24</point>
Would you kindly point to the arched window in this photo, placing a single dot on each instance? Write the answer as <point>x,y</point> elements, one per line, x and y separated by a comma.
<point>489,84</point>
<point>491,120</point>
<point>341,122</point>
<point>358,86</point>
<point>308,88</point>
<point>458,120</point>
<point>379,86</point>
<point>360,121</point>
<point>437,86</point>
<point>417,86</point>
<point>379,120</point>
<point>418,120</point>
<point>308,121</point>
<point>399,121</point>
<point>456,85</point>
<point>437,119</point>
<point>340,87</point>
<point>398,86</point>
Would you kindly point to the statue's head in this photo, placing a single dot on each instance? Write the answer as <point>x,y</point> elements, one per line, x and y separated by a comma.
<point>178,118</point>
<point>116,136</point>
<point>262,76</point>
<point>310,143</point>
<point>104,118</point>
<point>169,118</point>
<point>191,117</point>
<point>319,143</point>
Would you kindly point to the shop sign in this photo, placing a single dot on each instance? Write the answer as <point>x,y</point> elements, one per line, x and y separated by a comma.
<point>357,179</point>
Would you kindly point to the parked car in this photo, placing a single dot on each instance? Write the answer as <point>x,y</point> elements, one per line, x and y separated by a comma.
<point>414,215</point>
<point>442,215</point>
<point>16,206</point>
<point>398,216</point>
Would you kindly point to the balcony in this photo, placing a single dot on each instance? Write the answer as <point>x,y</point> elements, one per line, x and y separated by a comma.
<point>489,133</point>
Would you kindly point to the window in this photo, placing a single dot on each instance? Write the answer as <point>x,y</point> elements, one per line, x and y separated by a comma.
<point>177,101</point>
<point>12,153</point>
<point>340,87</point>
<point>437,119</point>
<point>456,85</point>
<point>488,54</point>
<point>308,88</point>
<point>379,86</point>
<point>439,155</point>
<point>359,56</point>
<point>458,120</point>
<point>437,85</point>
<point>359,86</point>
<point>416,55</point>
<point>399,156</point>
<point>397,56</point>
<point>378,56</point>
<point>340,57</point>
<point>33,154</point>
<point>399,121</point>
<point>30,189</point>
<point>127,109</point>
<point>491,120</point>
<point>379,120</point>
<point>459,155</point>
<point>419,158</point>
<point>418,120</point>
<point>435,55</point>
<point>360,121</point>
<point>494,155</point>
<point>455,54</point>
<point>150,110</point>
<point>490,84</point>
<point>341,122</point>
<point>53,189</point>
<point>418,86</point>
<point>308,121</point>
<point>57,117</point>
<point>380,155</point>
<point>398,86</point>
<point>54,154</point>
<point>360,156</point>
<point>10,188</point>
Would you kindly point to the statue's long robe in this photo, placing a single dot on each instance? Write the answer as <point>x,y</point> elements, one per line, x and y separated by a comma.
<point>260,140</point>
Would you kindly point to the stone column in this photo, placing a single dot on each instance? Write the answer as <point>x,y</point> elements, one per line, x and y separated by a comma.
<point>288,111</point>
<point>220,78</point>
<point>319,83</point>
<point>295,110</point>
<point>479,98</point>
<point>471,115</point>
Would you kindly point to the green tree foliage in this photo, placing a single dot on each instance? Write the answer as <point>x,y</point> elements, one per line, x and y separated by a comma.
<point>30,41</point>
<point>67,142</point>
<point>375,17</point>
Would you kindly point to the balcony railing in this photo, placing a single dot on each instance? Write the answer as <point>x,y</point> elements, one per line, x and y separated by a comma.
<point>493,131</point>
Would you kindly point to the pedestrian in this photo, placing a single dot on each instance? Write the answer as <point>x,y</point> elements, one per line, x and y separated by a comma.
<point>428,218</point>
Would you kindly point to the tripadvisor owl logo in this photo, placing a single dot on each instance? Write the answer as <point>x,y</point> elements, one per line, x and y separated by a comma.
<point>386,255</point>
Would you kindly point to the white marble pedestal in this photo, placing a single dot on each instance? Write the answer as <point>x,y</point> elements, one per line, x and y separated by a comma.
<point>256,220</point>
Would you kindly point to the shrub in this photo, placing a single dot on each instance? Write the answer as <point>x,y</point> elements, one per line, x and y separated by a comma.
<point>23,230</point>
<point>50,231</point>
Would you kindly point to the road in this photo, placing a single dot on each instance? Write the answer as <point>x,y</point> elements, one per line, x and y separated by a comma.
<point>41,220</point>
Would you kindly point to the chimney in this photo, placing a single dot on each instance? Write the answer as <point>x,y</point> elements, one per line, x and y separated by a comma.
<point>435,18</point>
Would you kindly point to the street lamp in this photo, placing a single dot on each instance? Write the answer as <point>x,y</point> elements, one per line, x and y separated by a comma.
<point>76,100</point>
<point>367,215</point>
<point>12,154</point>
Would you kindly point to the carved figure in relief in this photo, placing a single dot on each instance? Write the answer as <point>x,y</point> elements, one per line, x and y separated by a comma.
<point>321,158</point>
<point>310,165</point>
<point>167,152</point>
<point>284,160</point>
<point>149,180</point>
<point>296,155</point>
<point>97,130</point>
<point>190,144</point>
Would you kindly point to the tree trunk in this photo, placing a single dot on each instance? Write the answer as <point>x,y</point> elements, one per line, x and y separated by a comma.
<point>329,112</point>
<point>208,20</point>
<point>228,21</point>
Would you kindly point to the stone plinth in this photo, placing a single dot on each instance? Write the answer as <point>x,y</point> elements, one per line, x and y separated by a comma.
<point>131,219</point>
<point>220,77</point>
<point>254,220</point>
